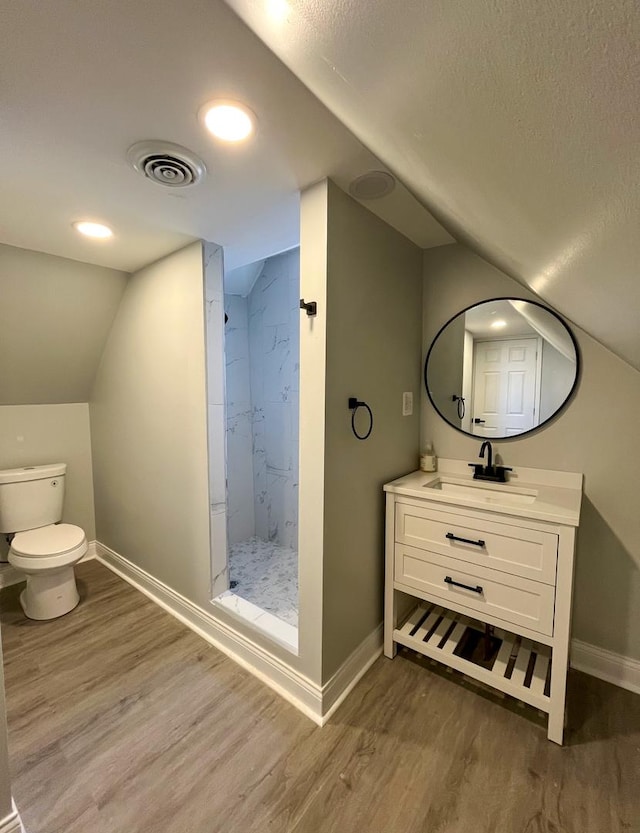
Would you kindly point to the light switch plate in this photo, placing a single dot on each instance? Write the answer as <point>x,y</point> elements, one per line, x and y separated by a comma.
<point>407,403</point>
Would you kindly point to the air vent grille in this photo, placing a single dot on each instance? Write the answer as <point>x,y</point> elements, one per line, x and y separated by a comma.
<point>167,164</point>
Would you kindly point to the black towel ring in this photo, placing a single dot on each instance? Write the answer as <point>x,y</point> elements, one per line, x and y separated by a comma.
<point>460,405</point>
<point>354,404</point>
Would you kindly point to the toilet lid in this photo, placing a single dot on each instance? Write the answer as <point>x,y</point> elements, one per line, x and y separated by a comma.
<point>48,540</point>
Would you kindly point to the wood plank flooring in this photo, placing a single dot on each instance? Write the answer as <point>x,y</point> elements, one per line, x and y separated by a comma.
<point>121,720</point>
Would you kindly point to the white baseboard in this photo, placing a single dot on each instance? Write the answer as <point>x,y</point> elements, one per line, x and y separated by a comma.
<point>12,822</point>
<point>350,673</point>
<point>613,668</point>
<point>91,552</point>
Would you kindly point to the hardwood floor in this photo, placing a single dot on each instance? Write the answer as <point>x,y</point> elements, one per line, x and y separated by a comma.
<point>121,720</point>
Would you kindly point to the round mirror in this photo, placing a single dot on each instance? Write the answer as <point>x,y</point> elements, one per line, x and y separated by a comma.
<point>501,368</point>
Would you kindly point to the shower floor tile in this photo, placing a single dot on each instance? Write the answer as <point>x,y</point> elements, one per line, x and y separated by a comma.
<point>267,576</point>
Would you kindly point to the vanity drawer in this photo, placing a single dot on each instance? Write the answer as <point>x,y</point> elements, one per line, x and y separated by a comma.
<point>510,598</point>
<point>511,549</point>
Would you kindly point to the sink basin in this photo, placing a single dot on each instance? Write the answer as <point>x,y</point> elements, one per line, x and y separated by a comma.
<point>483,494</point>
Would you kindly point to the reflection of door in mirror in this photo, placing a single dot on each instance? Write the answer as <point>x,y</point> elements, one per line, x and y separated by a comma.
<point>506,386</point>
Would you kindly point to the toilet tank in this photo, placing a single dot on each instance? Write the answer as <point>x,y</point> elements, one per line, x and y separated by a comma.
<point>31,497</point>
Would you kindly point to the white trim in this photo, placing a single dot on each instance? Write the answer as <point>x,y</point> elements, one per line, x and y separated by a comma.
<point>336,690</point>
<point>606,665</point>
<point>12,823</point>
<point>288,683</point>
<point>91,553</point>
<point>9,575</point>
<point>281,632</point>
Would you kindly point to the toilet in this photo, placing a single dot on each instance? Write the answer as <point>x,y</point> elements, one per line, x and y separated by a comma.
<point>42,548</point>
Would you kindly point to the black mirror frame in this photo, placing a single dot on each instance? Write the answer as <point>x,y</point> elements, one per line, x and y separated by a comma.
<point>554,415</point>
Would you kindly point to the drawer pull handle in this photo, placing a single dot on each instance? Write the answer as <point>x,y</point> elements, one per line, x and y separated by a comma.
<point>476,589</point>
<point>478,543</point>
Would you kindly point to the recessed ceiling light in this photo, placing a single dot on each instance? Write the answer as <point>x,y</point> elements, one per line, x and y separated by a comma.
<point>228,120</point>
<point>499,324</point>
<point>278,9</point>
<point>96,230</point>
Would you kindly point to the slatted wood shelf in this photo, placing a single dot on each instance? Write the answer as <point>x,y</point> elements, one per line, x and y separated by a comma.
<point>521,667</point>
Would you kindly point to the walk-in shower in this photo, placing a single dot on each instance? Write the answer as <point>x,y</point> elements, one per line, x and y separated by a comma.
<point>261,347</point>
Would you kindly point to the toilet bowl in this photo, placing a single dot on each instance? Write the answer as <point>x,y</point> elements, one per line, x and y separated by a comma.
<point>47,556</point>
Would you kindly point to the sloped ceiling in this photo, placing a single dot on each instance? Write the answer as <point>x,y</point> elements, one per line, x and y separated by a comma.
<point>516,122</point>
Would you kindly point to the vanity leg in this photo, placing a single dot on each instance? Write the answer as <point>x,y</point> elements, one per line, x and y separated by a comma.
<point>390,623</point>
<point>390,607</point>
<point>562,635</point>
<point>555,729</point>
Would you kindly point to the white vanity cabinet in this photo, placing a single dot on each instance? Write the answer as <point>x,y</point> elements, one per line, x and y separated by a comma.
<point>463,554</point>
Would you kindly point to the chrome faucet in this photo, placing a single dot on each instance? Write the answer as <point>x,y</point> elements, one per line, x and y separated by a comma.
<point>498,474</point>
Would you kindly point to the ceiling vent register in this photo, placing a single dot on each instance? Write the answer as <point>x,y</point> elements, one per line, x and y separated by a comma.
<point>167,164</point>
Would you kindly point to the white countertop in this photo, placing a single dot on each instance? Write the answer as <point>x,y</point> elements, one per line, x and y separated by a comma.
<point>557,494</point>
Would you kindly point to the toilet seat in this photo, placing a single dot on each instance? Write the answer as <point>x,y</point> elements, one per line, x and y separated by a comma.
<point>54,539</point>
<point>48,547</point>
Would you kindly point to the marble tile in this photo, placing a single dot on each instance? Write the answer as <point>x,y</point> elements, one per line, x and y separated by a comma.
<point>267,576</point>
<point>238,381</point>
<point>239,606</point>
<point>273,284</point>
<point>212,261</point>
<point>219,558</point>
<point>215,352</point>
<point>279,364</point>
<point>282,632</point>
<point>239,423</point>
<point>262,372</point>
<point>260,496</point>
<point>236,344</point>
<point>237,309</point>
<point>278,630</point>
<point>278,435</point>
<point>217,477</point>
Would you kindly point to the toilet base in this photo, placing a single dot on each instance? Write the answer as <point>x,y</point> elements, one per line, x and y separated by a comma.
<point>50,595</point>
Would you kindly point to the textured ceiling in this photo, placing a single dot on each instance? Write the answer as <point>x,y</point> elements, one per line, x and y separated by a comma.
<point>82,81</point>
<point>516,122</point>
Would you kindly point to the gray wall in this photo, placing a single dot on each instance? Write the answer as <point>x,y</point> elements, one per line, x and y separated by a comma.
<point>55,315</point>
<point>32,435</point>
<point>149,427</point>
<point>373,352</point>
<point>597,435</point>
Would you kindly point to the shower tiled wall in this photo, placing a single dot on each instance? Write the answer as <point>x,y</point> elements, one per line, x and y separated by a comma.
<point>241,518</point>
<point>274,343</point>
<point>262,358</point>
<point>212,267</point>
